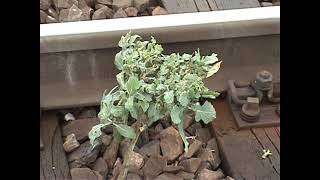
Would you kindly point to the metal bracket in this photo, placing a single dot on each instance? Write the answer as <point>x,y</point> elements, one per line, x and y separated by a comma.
<point>255,104</point>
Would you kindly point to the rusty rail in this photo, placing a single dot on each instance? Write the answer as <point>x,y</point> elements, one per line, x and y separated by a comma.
<point>76,60</point>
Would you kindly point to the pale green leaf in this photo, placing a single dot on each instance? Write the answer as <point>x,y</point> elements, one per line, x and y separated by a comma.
<point>153,112</point>
<point>169,97</point>
<point>120,79</point>
<point>144,105</point>
<point>132,84</point>
<point>210,59</point>
<point>184,99</point>
<point>117,111</point>
<point>119,61</point>
<point>126,131</point>
<point>183,136</point>
<point>129,104</point>
<point>176,114</point>
<point>116,135</point>
<point>95,133</point>
<point>214,69</point>
<point>206,112</point>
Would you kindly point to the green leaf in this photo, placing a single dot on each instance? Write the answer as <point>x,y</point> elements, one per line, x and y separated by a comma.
<point>214,69</point>
<point>117,111</point>
<point>153,112</point>
<point>206,112</point>
<point>210,94</point>
<point>116,135</point>
<point>183,136</point>
<point>143,97</point>
<point>95,133</point>
<point>126,131</point>
<point>120,79</point>
<point>169,97</point>
<point>119,61</point>
<point>132,85</point>
<point>144,105</point>
<point>176,114</point>
<point>184,99</point>
<point>129,104</point>
<point>210,59</point>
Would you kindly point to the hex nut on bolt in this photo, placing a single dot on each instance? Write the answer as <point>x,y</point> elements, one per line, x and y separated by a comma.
<point>263,80</point>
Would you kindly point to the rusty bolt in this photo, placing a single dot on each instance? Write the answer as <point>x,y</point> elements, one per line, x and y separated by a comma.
<point>250,111</point>
<point>263,80</point>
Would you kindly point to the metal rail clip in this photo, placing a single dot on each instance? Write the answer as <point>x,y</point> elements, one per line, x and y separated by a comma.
<point>257,103</point>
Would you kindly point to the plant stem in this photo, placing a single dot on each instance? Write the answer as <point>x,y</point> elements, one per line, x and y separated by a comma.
<point>125,168</point>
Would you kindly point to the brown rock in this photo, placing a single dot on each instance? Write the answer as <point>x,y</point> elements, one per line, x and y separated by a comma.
<point>192,129</point>
<point>185,175</point>
<point>154,165</point>
<point>168,176</point>
<point>43,17</point>
<point>108,129</point>
<point>229,178</point>
<point>165,123</point>
<point>120,14</point>
<point>172,168</point>
<point>87,112</point>
<point>106,140</point>
<point>80,152</point>
<point>203,165</point>
<point>203,134</point>
<point>103,13</point>
<point>65,4</point>
<point>122,4</point>
<point>266,4</point>
<point>152,148</point>
<point>141,5</point>
<point>45,4</point>
<point>159,11</point>
<point>52,12</point>
<point>131,11</point>
<point>170,138</point>
<point>80,127</point>
<point>207,156</point>
<point>91,156</point>
<point>116,168</point>
<point>149,177</point>
<point>82,174</point>
<point>150,9</point>
<point>100,166</point>
<point>87,13</point>
<point>132,176</point>
<point>193,148</point>
<point>82,4</point>
<point>50,19</point>
<point>76,164</point>
<point>98,175</point>
<point>124,146</point>
<point>206,174</point>
<point>91,3</point>
<point>105,2</point>
<point>212,145</point>
<point>98,6</point>
<point>71,143</point>
<point>135,162</point>
<point>143,139</point>
<point>110,155</point>
<point>188,120</point>
<point>158,128</point>
<point>190,165</point>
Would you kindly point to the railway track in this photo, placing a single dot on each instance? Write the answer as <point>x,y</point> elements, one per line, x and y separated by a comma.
<point>76,61</point>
